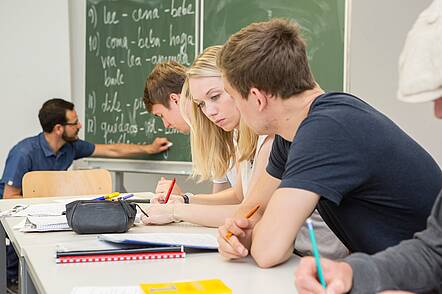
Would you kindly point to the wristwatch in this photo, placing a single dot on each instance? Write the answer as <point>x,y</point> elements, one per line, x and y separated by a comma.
<point>186,197</point>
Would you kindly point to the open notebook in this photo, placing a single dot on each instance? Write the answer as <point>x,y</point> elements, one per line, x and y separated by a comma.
<point>44,224</point>
<point>188,240</point>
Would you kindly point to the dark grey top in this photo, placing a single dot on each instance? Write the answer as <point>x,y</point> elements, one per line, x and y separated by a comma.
<point>414,265</point>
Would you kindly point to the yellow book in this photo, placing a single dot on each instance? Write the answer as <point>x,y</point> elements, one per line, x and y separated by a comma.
<point>214,286</point>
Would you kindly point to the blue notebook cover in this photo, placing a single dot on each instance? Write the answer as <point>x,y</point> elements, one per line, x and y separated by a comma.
<point>188,240</point>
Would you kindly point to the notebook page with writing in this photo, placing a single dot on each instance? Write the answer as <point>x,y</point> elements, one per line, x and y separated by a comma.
<point>45,224</point>
<point>191,240</point>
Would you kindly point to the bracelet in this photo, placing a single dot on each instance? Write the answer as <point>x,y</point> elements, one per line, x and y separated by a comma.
<point>186,197</point>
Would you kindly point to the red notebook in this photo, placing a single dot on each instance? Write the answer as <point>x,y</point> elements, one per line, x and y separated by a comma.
<point>119,257</point>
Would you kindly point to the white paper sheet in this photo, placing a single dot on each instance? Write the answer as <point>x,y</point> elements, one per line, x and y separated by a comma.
<point>42,209</point>
<point>107,290</point>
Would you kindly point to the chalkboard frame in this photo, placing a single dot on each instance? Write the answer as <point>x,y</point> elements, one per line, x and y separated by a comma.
<point>184,167</point>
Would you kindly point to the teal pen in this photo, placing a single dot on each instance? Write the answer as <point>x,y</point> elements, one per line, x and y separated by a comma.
<point>316,252</point>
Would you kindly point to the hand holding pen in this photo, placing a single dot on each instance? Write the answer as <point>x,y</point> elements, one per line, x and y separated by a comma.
<point>234,237</point>
<point>316,253</point>
<point>170,190</point>
<point>247,216</point>
<point>337,274</point>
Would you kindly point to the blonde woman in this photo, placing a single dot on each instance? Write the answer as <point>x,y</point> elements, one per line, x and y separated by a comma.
<point>215,122</point>
<point>215,127</point>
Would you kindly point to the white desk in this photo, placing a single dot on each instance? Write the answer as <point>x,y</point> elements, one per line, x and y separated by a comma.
<point>41,274</point>
<point>241,277</point>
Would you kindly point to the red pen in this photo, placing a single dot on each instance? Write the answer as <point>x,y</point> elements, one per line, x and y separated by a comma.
<point>170,190</point>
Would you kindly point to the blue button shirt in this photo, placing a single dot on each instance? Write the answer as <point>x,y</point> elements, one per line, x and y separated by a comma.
<point>34,153</point>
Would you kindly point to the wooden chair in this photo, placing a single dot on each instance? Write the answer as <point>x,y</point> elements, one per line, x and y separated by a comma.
<point>66,183</point>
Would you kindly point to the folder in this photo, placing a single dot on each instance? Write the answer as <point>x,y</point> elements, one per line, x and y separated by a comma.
<point>188,240</point>
<point>214,286</point>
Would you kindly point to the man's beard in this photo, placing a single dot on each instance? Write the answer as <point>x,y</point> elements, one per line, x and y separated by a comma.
<point>67,138</point>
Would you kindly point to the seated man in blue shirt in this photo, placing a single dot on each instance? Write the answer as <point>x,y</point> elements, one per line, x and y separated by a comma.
<point>58,146</point>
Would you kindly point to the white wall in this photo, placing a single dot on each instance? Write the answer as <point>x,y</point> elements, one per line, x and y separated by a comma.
<point>34,65</point>
<point>378,31</point>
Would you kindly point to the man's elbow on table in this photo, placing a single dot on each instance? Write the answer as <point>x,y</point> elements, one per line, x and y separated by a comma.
<point>267,258</point>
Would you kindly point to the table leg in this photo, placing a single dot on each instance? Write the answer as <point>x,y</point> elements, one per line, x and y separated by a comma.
<point>119,182</point>
<point>2,259</point>
<point>26,284</point>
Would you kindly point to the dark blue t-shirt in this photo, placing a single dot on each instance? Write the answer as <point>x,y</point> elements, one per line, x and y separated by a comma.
<point>34,153</point>
<point>376,185</point>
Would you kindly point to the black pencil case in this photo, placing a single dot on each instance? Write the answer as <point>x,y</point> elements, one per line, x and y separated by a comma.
<point>100,216</point>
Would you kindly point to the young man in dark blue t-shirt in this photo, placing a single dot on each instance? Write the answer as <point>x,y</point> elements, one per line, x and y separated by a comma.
<point>373,185</point>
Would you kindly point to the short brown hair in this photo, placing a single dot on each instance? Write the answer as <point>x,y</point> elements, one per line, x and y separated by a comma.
<point>270,56</point>
<point>166,78</point>
<point>53,112</point>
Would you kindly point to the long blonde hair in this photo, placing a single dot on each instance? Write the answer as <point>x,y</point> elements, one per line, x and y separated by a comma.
<point>213,150</point>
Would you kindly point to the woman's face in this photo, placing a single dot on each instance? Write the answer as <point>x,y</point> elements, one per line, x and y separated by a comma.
<point>209,94</point>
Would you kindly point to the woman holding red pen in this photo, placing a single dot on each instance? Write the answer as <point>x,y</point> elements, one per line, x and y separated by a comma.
<point>222,145</point>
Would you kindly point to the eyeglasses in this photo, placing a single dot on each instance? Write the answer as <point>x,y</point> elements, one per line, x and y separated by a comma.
<point>75,123</point>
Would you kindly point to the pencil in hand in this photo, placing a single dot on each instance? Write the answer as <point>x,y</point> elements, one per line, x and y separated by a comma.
<point>316,252</point>
<point>170,190</point>
<point>247,216</point>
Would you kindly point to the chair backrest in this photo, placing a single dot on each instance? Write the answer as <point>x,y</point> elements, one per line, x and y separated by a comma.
<point>66,183</point>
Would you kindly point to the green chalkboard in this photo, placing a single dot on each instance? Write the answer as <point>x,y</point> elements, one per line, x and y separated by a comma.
<point>124,41</point>
<point>126,38</point>
<point>322,23</point>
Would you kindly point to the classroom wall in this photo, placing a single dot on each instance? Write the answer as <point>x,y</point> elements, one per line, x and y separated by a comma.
<point>34,65</point>
<point>378,32</point>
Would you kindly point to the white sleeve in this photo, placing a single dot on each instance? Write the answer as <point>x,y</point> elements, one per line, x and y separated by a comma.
<point>220,180</point>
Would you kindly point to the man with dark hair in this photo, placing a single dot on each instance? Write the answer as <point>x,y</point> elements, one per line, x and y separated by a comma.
<point>372,184</point>
<point>55,149</point>
<point>162,94</point>
<point>58,146</point>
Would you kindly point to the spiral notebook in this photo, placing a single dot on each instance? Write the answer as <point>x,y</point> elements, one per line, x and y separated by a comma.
<point>98,251</point>
<point>45,224</point>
